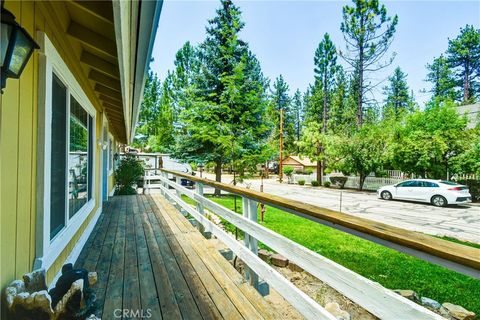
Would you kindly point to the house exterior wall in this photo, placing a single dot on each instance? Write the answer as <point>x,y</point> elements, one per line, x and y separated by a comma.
<point>19,114</point>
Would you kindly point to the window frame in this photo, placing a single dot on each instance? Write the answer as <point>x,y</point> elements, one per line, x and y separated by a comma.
<point>50,62</point>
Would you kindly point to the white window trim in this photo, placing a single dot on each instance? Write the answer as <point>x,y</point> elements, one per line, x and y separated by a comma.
<point>47,251</point>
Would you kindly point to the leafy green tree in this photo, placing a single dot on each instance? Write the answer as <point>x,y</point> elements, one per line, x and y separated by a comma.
<point>368,32</point>
<point>363,152</point>
<point>468,162</point>
<point>149,111</point>
<point>312,143</point>
<point>463,55</point>
<point>429,140</point>
<point>440,75</point>
<point>398,101</point>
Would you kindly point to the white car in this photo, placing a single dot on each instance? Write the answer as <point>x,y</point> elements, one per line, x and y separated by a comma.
<point>437,192</point>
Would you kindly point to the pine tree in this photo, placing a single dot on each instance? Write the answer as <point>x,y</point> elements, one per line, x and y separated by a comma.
<point>441,77</point>
<point>368,32</point>
<point>325,61</point>
<point>463,55</point>
<point>280,100</point>
<point>297,107</point>
<point>398,100</point>
<point>223,101</point>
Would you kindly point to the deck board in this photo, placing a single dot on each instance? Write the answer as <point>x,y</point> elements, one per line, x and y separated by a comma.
<point>149,257</point>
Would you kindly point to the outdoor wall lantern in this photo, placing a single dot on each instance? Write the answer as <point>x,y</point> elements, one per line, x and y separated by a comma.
<point>16,47</point>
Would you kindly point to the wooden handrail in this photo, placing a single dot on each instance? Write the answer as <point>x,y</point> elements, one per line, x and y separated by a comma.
<point>447,250</point>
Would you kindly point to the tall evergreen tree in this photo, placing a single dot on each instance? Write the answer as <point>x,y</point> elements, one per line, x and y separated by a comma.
<point>280,100</point>
<point>463,55</point>
<point>398,100</point>
<point>223,116</point>
<point>297,107</point>
<point>368,32</point>
<point>325,61</point>
<point>440,75</point>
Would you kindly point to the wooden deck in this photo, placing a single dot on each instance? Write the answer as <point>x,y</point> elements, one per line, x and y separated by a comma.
<point>150,259</point>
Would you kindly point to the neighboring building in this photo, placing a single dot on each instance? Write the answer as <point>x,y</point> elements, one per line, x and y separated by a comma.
<point>62,121</point>
<point>300,163</point>
<point>472,111</point>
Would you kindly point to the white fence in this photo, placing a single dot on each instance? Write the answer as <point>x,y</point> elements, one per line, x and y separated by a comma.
<point>380,301</point>
<point>371,183</point>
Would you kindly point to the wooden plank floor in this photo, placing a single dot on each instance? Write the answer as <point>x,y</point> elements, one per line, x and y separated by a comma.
<point>151,261</point>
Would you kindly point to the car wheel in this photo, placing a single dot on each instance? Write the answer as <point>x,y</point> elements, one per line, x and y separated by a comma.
<point>386,195</point>
<point>439,201</point>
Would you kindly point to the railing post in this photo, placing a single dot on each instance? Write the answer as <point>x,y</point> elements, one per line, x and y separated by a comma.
<point>200,209</point>
<point>249,211</point>
<point>178,181</point>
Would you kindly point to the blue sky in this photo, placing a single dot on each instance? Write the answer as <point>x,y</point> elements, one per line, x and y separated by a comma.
<point>285,34</point>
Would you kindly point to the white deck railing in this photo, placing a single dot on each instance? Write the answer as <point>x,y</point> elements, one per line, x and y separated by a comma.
<point>370,295</point>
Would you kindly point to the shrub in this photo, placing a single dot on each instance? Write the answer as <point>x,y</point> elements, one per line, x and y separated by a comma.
<point>327,184</point>
<point>339,181</point>
<point>127,173</point>
<point>287,170</point>
<point>308,171</point>
<point>301,182</point>
<point>298,171</point>
<point>474,188</point>
<point>315,183</point>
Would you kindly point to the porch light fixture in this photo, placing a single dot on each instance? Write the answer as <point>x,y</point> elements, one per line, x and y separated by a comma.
<point>16,47</point>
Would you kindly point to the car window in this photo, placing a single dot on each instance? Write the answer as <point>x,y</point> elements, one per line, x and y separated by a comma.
<point>430,184</point>
<point>410,183</point>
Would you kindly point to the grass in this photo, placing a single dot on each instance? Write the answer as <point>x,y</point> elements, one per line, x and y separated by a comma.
<point>465,243</point>
<point>390,268</point>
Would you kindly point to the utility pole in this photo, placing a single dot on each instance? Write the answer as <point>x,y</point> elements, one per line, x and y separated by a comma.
<point>280,165</point>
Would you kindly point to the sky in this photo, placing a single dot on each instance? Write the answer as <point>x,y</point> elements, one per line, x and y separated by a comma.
<point>284,35</point>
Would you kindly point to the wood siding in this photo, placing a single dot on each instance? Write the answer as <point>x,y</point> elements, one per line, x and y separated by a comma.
<point>18,144</point>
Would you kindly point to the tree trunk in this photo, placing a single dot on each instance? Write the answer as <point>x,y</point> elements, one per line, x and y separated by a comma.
<point>466,84</point>
<point>361,181</point>
<point>319,172</point>
<point>218,175</point>
<point>360,89</point>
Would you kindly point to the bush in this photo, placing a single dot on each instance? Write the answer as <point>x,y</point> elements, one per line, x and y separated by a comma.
<point>315,183</point>
<point>301,182</point>
<point>474,188</point>
<point>308,171</point>
<point>287,170</point>
<point>339,181</point>
<point>327,184</point>
<point>298,171</point>
<point>127,173</point>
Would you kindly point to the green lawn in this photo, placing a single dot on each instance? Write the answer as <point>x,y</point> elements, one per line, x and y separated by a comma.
<point>390,268</point>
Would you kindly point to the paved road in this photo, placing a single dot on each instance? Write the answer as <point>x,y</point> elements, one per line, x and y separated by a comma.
<point>461,222</point>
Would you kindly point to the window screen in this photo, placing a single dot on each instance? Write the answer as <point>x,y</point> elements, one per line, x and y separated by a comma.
<point>58,156</point>
<point>79,157</point>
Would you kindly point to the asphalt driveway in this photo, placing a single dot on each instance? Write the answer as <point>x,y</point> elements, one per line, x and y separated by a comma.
<point>461,222</point>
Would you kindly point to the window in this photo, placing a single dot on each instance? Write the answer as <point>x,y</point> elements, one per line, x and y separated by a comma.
<point>429,184</point>
<point>410,183</point>
<point>58,156</point>
<point>79,158</point>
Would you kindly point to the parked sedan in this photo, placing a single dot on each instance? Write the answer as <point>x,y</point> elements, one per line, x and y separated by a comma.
<point>437,192</point>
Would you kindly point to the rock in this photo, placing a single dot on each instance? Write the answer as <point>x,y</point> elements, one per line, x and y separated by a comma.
<point>335,310</point>
<point>92,278</point>
<point>264,255</point>
<point>37,305</point>
<point>35,281</point>
<point>458,312</point>
<point>294,267</point>
<point>72,300</point>
<point>409,294</point>
<point>430,303</point>
<point>279,260</point>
